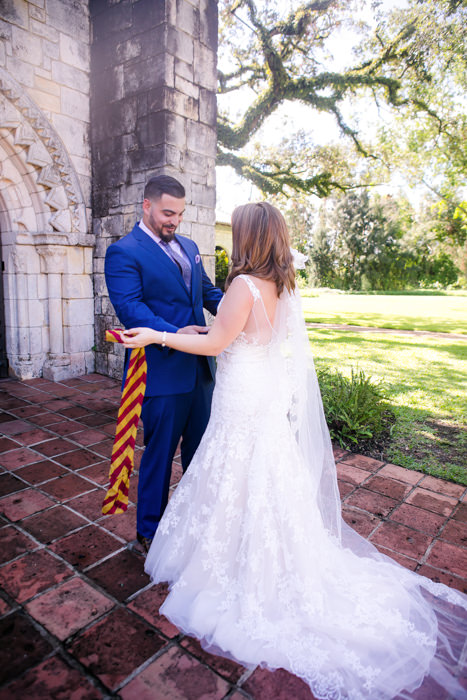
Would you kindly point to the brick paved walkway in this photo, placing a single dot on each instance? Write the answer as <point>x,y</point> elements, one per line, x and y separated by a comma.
<point>78,618</point>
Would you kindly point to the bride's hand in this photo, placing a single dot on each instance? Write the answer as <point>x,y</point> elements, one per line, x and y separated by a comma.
<point>140,337</point>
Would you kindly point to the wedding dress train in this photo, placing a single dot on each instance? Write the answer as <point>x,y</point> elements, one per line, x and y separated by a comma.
<point>261,567</point>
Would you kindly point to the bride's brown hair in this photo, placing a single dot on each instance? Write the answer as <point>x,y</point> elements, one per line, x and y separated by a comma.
<point>261,245</point>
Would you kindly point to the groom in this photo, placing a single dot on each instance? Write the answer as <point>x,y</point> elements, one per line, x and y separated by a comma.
<point>156,279</point>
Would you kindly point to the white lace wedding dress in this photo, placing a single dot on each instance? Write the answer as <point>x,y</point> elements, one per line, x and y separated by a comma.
<point>262,568</point>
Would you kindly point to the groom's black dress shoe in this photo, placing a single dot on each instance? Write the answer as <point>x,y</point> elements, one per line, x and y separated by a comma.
<point>145,542</point>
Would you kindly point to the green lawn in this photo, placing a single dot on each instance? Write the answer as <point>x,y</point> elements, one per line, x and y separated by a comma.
<point>434,312</point>
<point>425,379</point>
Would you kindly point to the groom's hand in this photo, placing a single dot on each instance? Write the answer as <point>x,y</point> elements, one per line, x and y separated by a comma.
<point>193,330</point>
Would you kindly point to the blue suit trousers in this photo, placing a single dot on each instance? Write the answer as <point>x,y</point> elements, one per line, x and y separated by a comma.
<point>166,419</point>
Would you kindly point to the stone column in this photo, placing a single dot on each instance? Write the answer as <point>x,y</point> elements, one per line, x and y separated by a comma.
<point>153,110</point>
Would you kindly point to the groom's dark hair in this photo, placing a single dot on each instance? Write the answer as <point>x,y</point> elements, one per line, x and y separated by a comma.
<point>158,185</point>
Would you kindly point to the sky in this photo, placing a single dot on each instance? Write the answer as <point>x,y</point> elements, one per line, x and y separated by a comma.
<point>233,190</point>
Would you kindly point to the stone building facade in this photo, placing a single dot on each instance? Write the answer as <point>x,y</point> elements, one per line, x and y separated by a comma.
<point>95,97</point>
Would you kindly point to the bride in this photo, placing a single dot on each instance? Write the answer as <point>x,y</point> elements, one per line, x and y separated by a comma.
<point>262,569</point>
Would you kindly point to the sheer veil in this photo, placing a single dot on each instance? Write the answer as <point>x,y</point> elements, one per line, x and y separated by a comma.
<point>443,607</point>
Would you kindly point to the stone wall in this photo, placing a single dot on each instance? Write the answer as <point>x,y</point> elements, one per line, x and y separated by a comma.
<point>153,109</point>
<point>45,186</point>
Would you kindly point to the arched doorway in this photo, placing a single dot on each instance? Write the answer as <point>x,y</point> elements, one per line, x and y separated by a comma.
<point>3,354</point>
<point>47,251</point>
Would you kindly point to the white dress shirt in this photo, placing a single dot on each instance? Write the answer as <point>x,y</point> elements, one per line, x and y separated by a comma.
<point>174,244</point>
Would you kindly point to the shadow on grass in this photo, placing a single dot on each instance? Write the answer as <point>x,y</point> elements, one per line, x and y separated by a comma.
<point>425,385</point>
<point>404,323</point>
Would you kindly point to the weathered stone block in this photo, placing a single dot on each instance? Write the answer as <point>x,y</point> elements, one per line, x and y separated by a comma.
<point>208,31</point>
<point>75,53</point>
<point>70,17</point>
<point>180,45</point>
<point>74,104</point>
<point>70,76</point>
<point>207,107</point>
<point>187,87</point>
<point>78,312</point>
<point>47,85</point>
<point>77,287</point>
<point>74,260</point>
<point>15,12</point>
<point>187,18</point>
<point>46,101</point>
<point>205,196</point>
<point>183,69</point>
<point>201,138</point>
<point>44,30</point>
<point>204,237</point>
<point>205,67</point>
<point>78,338</point>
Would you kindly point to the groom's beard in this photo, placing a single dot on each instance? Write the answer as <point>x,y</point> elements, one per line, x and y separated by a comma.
<point>166,233</point>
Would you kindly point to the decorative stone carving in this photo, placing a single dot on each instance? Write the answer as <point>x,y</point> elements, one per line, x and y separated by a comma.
<point>38,145</point>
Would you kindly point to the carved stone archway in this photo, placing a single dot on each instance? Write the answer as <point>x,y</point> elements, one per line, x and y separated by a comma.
<point>47,249</point>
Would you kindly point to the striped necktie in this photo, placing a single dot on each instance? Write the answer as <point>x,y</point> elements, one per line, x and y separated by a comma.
<point>179,260</point>
<point>123,451</point>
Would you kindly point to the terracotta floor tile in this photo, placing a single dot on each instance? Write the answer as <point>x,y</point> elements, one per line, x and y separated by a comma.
<point>344,488</point>
<point>96,420</point>
<point>121,524</point>
<point>363,523</point>
<point>101,650</point>
<point>401,539</point>
<point>57,405</point>
<point>177,473</point>
<point>371,465</point>
<point>69,607</point>
<point>51,679</point>
<point>408,476</point>
<point>372,502</point>
<point>27,411</point>
<point>54,447</point>
<point>13,543</point>
<point>67,486</point>
<point>175,675</point>
<point>46,418</point>
<point>388,487</point>
<point>31,574</point>
<point>19,458</point>
<point>121,575</point>
<point>443,577</point>
<point>74,412</point>
<point>9,483</point>
<point>32,437</point>
<point>15,427</point>
<point>19,505</point>
<point>78,459</point>
<point>7,444</point>
<point>53,523</point>
<point>449,557</point>
<point>86,546</point>
<point>226,668</point>
<point>418,518</point>
<point>280,685</point>
<point>89,437</point>
<point>67,427</point>
<point>442,486</point>
<point>354,475</point>
<point>436,502</point>
<point>104,448</point>
<point>338,452</point>
<point>22,647</point>
<point>408,562</point>
<point>460,513</point>
<point>40,471</point>
<point>456,533</point>
<point>99,473</point>
<point>89,504</point>
<point>147,605</point>
<point>4,607</point>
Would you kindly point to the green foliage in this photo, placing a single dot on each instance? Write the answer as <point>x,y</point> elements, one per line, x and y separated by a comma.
<point>222,267</point>
<point>408,64</point>
<point>354,407</point>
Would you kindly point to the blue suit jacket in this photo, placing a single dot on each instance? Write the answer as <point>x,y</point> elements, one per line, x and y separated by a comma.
<point>146,288</point>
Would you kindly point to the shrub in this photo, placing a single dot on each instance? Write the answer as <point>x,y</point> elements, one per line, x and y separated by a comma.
<point>355,407</point>
<point>222,267</point>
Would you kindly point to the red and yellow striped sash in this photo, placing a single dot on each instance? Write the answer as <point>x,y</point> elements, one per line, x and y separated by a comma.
<point>123,451</point>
